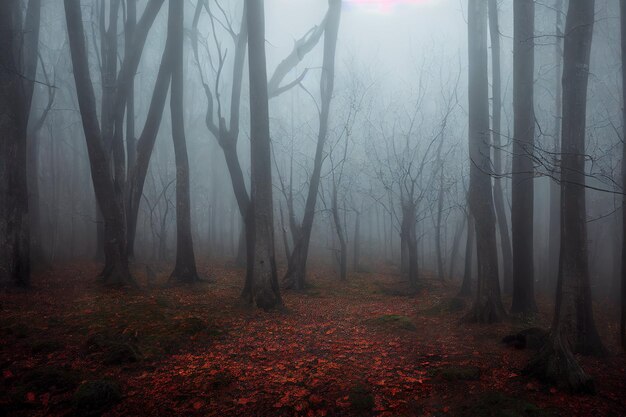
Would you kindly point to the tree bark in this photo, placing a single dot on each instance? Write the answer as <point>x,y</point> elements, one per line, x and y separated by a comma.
<point>264,289</point>
<point>116,269</point>
<point>343,255</point>
<point>623,271</point>
<point>296,275</point>
<point>455,246</point>
<point>498,195</point>
<point>573,328</point>
<point>15,97</point>
<point>410,239</point>
<point>522,181</point>
<point>466,285</point>
<point>487,306</point>
<point>185,267</point>
<point>357,243</point>
<point>555,189</point>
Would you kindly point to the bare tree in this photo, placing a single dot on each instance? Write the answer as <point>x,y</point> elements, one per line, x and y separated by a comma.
<point>522,180</point>
<point>555,189</point>
<point>498,195</point>
<point>487,306</point>
<point>227,133</point>
<point>573,328</point>
<point>116,269</point>
<point>185,267</point>
<point>265,292</point>
<point>18,67</point>
<point>296,275</point>
<point>623,272</point>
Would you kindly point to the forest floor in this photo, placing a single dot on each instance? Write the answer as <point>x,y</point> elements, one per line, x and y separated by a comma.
<point>363,347</point>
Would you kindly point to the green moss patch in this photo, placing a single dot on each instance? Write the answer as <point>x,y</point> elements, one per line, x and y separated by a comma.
<point>393,322</point>
<point>453,305</point>
<point>457,373</point>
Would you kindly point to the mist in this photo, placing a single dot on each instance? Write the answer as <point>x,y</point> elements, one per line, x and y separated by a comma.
<point>307,207</point>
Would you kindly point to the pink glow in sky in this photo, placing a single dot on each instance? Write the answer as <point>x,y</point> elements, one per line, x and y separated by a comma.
<point>385,6</point>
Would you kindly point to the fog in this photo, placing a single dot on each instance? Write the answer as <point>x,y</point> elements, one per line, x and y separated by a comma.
<point>157,149</point>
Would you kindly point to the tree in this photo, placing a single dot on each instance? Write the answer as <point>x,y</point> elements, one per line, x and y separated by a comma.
<point>522,179</point>
<point>573,328</point>
<point>109,200</point>
<point>466,285</point>
<point>623,289</point>
<point>265,292</point>
<point>18,67</point>
<point>296,275</point>
<point>555,190</point>
<point>185,267</point>
<point>498,195</point>
<point>487,306</point>
<point>227,134</point>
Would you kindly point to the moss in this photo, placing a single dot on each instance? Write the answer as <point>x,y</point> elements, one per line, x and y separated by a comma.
<point>393,321</point>
<point>113,350</point>
<point>457,373</point>
<point>496,404</point>
<point>361,399</point>
<point>453,305</point>
<point>97,396</point>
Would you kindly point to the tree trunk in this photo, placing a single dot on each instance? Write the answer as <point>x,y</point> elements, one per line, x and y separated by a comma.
<point>522,181</point>
<point>466,286</point>
<point>410,239</point>
<point>555,189</point>
<point>623,272</point>
<point>455,246</point>
<point>343,255</point>
<point>498,195</point>
<point>14,110</point>
<point>116,269</point>
<point>185,267</point>
<point>131,140</point>
<point>264,289</point>
<point>440,264</point>
<point>296,275</point>
<point>487,306</point>
<point>357,243</point>
<point>145,144</point>
<point>573,328</point>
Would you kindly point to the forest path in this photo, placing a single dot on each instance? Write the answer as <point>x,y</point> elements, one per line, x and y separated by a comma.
<point>358,348</point>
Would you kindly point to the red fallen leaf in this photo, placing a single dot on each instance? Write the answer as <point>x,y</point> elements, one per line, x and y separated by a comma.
<point>45,398</point>
<point>300,405</point>
<point>198,405</point>
<point>446,409</point>
<point>30,397</point>
<point>244,401</point>
<point>7,373</point>
<point>553,390</point>
<point>315,399</point>
<point>512,375</point>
